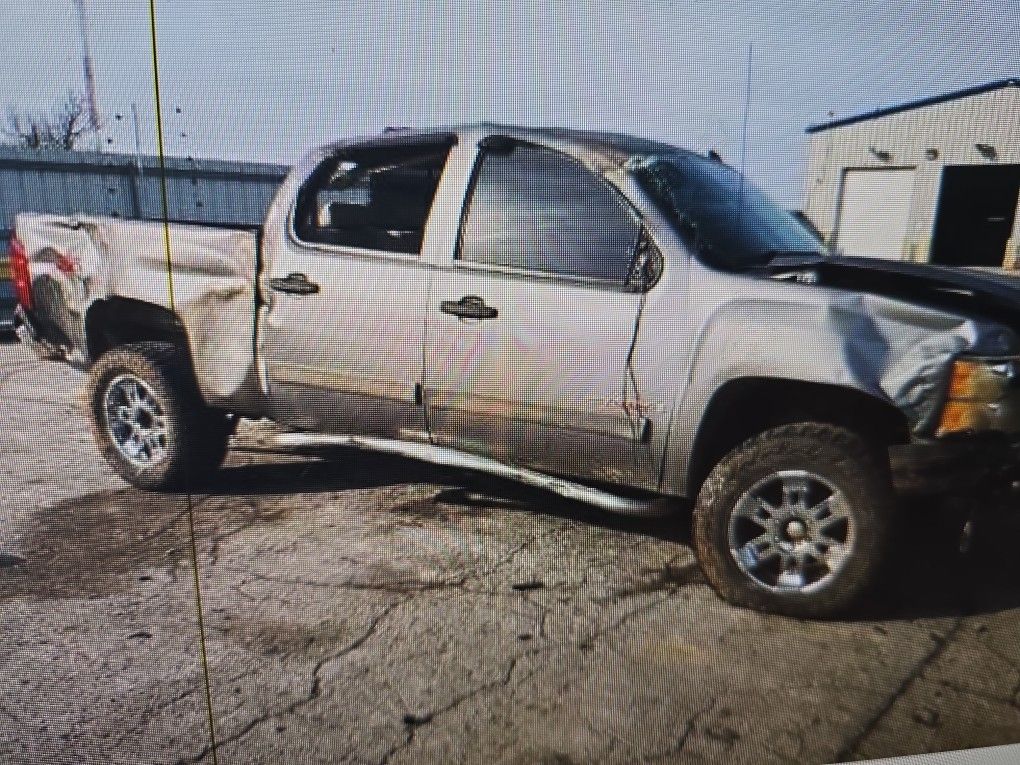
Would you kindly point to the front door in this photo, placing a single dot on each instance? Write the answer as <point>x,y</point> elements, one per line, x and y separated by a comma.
<point>531,329</point>
<point>344,332</point>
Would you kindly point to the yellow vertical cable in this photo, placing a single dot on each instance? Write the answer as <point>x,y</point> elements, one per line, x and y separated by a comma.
<point>162,163</point>
<point>170,294</point>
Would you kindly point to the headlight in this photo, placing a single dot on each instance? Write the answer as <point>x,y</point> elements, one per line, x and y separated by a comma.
<point>977,395</point>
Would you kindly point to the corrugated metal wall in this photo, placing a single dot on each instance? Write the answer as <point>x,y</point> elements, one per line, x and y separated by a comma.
<point>205,191</point>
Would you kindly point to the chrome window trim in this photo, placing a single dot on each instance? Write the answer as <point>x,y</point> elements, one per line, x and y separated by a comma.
<point>606,285</point>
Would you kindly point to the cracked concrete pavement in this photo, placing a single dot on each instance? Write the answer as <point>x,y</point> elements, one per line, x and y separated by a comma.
<point>372,609</point>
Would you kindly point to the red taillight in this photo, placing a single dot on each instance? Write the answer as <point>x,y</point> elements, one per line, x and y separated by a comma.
<point>20,274</point>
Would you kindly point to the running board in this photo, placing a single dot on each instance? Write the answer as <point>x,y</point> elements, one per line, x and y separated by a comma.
<point>442,455</point>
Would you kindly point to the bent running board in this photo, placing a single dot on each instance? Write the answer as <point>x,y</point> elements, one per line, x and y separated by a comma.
<point>442,455</point>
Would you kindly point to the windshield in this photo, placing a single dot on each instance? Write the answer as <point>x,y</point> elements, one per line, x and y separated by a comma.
<point>728,223</point>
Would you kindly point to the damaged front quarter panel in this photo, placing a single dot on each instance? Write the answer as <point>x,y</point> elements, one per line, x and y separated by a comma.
<point>894,351</point>
<point>905,325</point>
<point>906,351</point>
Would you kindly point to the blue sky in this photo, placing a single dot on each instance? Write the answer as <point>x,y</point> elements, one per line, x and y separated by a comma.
<point>266,84</point>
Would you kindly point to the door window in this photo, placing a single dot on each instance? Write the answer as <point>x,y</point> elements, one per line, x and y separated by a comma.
<point>535,209</point>
<point>376,199</point>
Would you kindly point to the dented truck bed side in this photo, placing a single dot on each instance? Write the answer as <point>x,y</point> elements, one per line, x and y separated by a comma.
<point>82,263</point>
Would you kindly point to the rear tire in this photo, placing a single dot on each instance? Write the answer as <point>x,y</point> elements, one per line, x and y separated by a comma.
<point>150,422</point>
<point>796,521</point>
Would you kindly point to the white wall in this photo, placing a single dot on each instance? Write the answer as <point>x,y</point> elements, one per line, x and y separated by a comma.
<point>952,128</point>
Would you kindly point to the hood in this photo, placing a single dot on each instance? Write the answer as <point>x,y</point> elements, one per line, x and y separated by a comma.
<point>989,293</point>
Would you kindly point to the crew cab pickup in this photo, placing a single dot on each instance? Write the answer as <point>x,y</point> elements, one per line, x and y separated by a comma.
<point>613,318</point>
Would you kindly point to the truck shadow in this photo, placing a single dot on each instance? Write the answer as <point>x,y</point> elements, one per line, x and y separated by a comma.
<point>940,567</point>
<point>928,575</point>
<point>348,469</point>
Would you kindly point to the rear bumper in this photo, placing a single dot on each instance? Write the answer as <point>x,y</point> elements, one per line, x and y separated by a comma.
<point>27,330</point>
<point>942,467</point>
<point>8,303</point>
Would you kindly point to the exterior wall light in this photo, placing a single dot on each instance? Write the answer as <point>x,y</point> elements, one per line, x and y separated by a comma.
<point>986,150</point>
<point>880,154</point>
<point>931,154</point>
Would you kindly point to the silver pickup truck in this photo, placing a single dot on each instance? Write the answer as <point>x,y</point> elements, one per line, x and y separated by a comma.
<point>615,319</point>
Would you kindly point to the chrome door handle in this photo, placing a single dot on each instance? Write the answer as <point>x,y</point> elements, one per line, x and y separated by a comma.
<point>469,307</point>
<point>295,284</point>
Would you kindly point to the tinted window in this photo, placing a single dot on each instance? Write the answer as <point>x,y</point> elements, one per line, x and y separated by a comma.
<point>538,210</point>
<point>373,199</point>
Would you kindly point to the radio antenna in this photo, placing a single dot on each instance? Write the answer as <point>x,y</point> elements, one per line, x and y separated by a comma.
<point>743,132</point>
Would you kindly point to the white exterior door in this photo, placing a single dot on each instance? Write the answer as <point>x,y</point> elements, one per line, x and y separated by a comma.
<point>873,212</point>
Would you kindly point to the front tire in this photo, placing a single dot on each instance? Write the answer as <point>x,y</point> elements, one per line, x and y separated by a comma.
<point>795,521</point>
<point>149,420</point>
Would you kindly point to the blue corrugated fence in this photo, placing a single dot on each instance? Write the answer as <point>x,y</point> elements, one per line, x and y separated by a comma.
<point>122,185</point>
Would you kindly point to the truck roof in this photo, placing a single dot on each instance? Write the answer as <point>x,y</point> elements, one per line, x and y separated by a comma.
<point>609,148</point>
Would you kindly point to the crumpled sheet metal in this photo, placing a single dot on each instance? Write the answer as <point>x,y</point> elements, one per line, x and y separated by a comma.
<point>917,346</point>
<point>213,273</point>
<point>879,346</point>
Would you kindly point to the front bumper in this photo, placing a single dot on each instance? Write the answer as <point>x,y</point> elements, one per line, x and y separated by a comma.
<point>949,466</point>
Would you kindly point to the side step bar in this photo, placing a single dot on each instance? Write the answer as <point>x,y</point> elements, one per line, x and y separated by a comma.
<point>441,455</point>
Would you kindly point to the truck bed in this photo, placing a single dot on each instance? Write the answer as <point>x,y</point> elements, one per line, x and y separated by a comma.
<point>78,263</point>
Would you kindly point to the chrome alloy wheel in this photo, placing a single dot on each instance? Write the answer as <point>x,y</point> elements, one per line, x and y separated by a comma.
<point>135,420</point>
<point>793,531</point>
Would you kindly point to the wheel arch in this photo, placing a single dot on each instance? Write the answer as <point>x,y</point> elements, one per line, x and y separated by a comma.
<point>744,407</point>
<point>118,321</point>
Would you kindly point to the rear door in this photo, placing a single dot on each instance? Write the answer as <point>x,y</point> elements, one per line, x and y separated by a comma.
<point>343,336</point>
<point>531,327</point>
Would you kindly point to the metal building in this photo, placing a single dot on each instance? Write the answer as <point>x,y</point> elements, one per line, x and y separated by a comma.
<point>935,180</point>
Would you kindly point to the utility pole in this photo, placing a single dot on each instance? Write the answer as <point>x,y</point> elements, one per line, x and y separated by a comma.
<point>91,97</point>
<point>138,139</point>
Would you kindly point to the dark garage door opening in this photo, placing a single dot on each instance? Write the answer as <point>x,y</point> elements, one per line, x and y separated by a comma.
<point>975,214</point>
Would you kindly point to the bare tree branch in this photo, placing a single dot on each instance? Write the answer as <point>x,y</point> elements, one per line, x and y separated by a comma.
<point>59,128</point>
